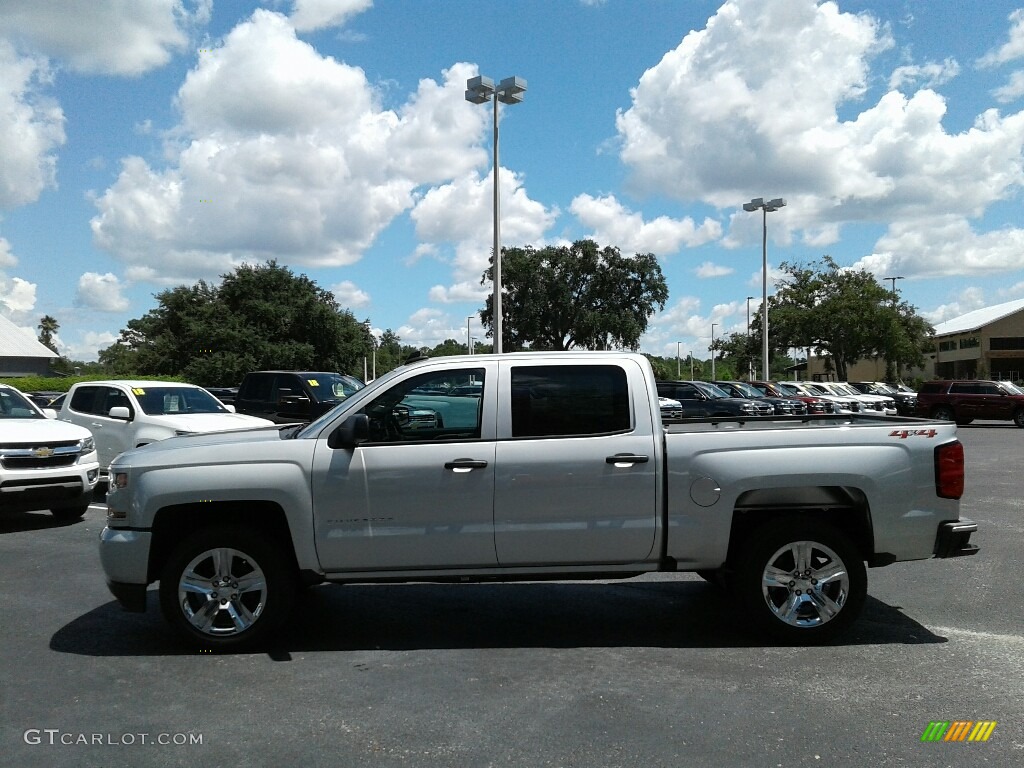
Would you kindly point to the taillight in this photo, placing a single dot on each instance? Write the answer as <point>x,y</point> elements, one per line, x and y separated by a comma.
<point>949,470</point>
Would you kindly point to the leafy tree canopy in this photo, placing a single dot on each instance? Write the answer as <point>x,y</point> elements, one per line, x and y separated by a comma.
<point>844,314</point>
<point>260,317</point>
<point>578,296</point>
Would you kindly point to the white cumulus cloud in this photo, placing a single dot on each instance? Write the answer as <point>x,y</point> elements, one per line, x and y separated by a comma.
<point>706,125</point>
<point>120,37</point>
<point>31,128</point>
<point>349,295</point>
<point>614,224</point>
<point>101,292</point>
<point>283,153</point>
<point>310,15</point>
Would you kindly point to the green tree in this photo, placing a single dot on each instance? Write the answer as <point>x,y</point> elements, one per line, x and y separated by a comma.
<point>844,314</point>
<point>48,326</point>
<point>579,296</point>
<point>261,316</point>
<point>738,352</point>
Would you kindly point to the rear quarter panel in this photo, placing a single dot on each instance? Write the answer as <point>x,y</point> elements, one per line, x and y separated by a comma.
<point>891,465</point>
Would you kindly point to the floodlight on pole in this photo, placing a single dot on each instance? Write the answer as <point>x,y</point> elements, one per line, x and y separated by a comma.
<point>893,280</point>
<point>480,90</point>
<point>766,208</point>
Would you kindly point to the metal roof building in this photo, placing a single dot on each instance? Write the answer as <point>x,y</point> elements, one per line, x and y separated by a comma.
<point>21,354</point>
<point>987,343</point>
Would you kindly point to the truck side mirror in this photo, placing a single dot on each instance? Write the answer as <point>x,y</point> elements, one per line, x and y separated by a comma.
<point>353,431</point>
<point>120,412</point>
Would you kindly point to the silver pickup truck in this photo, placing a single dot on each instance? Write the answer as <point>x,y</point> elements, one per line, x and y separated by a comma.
<point>529,466</point>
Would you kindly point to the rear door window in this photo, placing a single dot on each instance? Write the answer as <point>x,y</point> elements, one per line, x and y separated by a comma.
<point>569,400</point>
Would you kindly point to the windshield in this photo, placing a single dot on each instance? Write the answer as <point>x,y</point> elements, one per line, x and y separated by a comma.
<point>172,401</point>
<point>14,405</point>
<point>746,390</point>
<point>710,389</point>
<point>332,386</point>
<point>314,426</point>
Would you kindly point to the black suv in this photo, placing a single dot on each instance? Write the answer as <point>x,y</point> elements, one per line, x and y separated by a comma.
<point>783,406</point>
<point>291,396</point>
<point>702,399</point>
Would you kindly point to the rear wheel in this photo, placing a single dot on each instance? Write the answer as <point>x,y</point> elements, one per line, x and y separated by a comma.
<point>943,413</point>
<point>1018,418</point>
<point>227,589</point>
<point>801,580</point>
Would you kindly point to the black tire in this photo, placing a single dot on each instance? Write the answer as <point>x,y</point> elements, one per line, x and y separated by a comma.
<point>716,577</point>
<point>68,514</point>
<point>792,604</point>
<point>243,587</point>
<point>1018,418</point>
<point>943,413</point>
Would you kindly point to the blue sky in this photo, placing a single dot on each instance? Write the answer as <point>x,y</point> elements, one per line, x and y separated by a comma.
<point>146,144</point>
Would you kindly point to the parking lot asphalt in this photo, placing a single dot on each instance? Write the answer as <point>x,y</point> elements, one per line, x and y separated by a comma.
<point>654,671</point>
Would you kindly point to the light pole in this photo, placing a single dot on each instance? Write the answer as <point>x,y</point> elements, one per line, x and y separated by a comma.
<point>480,90</point>
<point>373,344</point>
<point>893,371</point>
<point>691,365</point>
<point>469,339</point>
<point>750,358</point>
<point>678,369</point>
<point>712,348</point>
<point>894,279</point>
<point>766,208</point>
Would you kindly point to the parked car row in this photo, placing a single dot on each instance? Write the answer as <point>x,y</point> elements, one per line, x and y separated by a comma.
<point>703,399</point>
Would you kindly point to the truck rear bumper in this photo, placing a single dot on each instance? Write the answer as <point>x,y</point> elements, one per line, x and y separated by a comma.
<point>953,539</point>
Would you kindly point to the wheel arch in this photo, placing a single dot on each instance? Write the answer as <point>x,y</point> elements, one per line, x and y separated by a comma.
<point>173,523</point>
<point>842,507</point>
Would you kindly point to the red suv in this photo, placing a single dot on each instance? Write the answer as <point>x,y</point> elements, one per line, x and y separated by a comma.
<point>965,401</point>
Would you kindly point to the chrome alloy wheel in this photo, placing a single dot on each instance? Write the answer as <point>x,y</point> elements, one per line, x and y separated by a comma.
<point>222,592</point>
<point>805,584</point>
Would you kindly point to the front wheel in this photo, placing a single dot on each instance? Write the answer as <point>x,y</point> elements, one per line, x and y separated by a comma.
<point>69,514</point>
<point>801,580</point>
<point>226,589</point>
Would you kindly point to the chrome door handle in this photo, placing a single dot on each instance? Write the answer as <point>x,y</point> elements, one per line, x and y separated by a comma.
<point>626,458</point>
<point>465,465</point>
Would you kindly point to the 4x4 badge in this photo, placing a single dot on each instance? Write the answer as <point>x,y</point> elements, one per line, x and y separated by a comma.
<point>903,434</point>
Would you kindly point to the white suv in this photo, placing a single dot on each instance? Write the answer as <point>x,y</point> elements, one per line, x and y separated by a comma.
<point>127,414</point>
<point>44,463</point>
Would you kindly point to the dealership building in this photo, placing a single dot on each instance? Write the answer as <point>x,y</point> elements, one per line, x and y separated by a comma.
<point>984,344</point>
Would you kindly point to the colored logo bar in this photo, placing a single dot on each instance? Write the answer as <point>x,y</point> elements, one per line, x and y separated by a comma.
<point>958,730</point>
